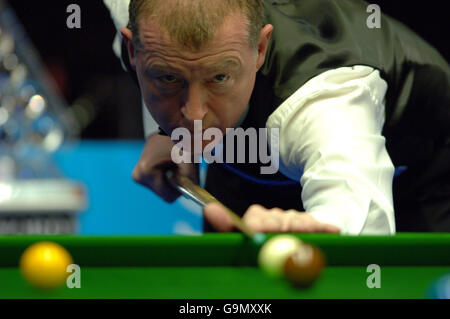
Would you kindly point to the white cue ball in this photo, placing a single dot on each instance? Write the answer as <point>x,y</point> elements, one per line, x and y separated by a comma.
<point>274,253</point>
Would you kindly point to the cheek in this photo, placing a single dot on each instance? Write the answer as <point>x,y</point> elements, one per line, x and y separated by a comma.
<point>240,99</point>
<point>161,109</point>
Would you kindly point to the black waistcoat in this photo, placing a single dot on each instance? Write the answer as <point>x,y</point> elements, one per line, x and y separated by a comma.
<point>314,36</point>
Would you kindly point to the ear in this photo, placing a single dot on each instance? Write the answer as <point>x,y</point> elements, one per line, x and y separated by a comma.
<point>127,36</point>
<point>264,39</point>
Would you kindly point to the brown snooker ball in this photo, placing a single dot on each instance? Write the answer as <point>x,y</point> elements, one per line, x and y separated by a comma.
<point>304,266</point>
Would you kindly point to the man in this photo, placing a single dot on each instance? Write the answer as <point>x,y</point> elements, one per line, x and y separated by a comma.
<point>350,103</point>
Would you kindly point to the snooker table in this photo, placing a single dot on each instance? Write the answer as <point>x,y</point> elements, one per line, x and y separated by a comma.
<point>223,266</point>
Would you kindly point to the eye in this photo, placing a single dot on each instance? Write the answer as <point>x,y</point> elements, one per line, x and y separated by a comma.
<point>168,79</point>
<point>220,78</point>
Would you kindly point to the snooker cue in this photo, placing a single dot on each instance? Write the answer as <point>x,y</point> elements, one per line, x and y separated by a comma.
<point>202,197</point>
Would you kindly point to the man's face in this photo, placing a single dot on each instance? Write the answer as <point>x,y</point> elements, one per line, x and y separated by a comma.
<point>213,85</point>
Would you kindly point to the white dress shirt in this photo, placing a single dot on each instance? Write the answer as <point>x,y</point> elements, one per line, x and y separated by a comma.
<point>119,14</point>
<point>330,141</point>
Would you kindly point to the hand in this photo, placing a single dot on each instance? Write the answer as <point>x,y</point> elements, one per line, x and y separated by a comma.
<point>155,160</point>
<point>275,220</point>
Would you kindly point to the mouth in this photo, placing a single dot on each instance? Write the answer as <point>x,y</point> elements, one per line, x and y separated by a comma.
<point>193,130</point>
<point>198,131</point>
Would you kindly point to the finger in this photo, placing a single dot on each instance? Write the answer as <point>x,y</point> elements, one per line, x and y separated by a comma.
<point>218,217</point>
<point>302,223</point>
<point>276,211</point>
<point>255,209</point>
<point>298,225</point>
<point>319,227</point>
<point>331,229</point>
<point>189,170</point>
<point>272,223</point>
<point>157,182</point>
<point>287,221</point>
<point>254,222</point>
<point>255,217</point>
<point>163,188</point>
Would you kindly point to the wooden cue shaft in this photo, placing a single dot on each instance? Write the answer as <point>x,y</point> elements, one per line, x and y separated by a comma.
<point>203,197</point>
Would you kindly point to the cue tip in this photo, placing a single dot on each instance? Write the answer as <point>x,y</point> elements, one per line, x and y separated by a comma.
<point>259,238</point>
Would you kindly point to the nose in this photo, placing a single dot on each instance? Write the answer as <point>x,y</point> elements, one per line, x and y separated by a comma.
<point>194,107</point>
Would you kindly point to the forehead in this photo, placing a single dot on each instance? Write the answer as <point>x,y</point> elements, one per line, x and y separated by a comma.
<point>231,36</point>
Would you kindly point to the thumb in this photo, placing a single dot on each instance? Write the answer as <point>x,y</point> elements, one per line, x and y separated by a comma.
<point>331,229</point>
<point>217,215</point>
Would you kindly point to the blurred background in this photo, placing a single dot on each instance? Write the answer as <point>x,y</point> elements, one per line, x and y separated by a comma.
<point>71,122</point>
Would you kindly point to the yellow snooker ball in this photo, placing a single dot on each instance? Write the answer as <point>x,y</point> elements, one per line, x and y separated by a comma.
<point>44,265</point>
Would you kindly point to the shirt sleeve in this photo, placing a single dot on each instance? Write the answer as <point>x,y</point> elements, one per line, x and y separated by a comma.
<point>119,14</point>
<point>330,130</point>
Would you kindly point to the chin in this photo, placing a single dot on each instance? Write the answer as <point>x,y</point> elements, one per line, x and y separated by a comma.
<point>210,144</point>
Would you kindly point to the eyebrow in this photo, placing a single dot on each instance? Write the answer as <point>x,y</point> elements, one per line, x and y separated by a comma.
<point>232,63</point>
<point>162,68</point>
